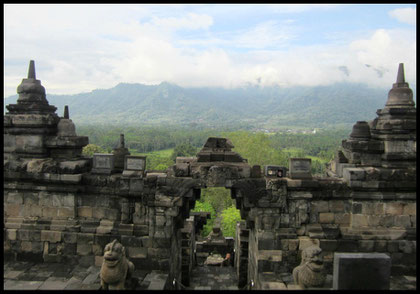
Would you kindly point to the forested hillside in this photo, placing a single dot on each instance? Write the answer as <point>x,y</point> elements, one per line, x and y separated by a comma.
<point>247,108</point>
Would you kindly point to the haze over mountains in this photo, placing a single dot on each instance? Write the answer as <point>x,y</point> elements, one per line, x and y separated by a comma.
<point>250,107</point>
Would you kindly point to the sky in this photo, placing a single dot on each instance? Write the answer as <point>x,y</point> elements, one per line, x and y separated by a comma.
<point>81,47</point>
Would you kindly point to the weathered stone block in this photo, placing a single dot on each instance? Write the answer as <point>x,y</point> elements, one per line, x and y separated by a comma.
<point>11,234</point>
<point>69,249</point>
<point>387,221</point>
<point>85,211</point>
<point>336,206</point>
<point>392,246</point>
<point>374,220</point>
<point>328,245</point>
<point>357,207</point>
<point>26,246</point>
<point>30,198</point>
<point>103,163</point>
<point>16,198</point>
<point>326,217</point>
<point>319,206</point>
<point>11,209</point>
<point>160,220</point>
<point>30,144</point>
<point>138,252</point>
<point>370,159</point>
<point>86,238</point>
<point>361,271</point>
<point>131,241</point>
<point>71,178</point>
<point>413,219</point>
<point>141,230</point>
<point>9,144</point>
<point>306,242</point>
<point>366,245</point>
<point>284,244</point>
<point>37,246</point>
<point>51,236</point>
<point>300,195</point>
<point>31,210</point>
<point>45,198</point>
<point>359,220</point>
<point>407,246</point>
<point>84,249</point>
<point>347,245</point>
<point>402,221</point>
<point>400,146</point>
<point>409,208</point>
<point>381,245</point>
<point>24,235</point>
<point>353,174</point>
<point>69,237</point>
<point>342,218</point>
<point>49,212</point>
<point>112,214</point>
<point>66,212</point>
<point>379,208</point>
<point>300,168</point>
<point>394,208</point>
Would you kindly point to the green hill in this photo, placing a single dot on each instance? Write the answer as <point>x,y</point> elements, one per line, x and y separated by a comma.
<point>252,107</point>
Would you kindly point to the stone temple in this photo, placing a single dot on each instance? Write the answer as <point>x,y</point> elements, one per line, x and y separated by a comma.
<point>63,207</point>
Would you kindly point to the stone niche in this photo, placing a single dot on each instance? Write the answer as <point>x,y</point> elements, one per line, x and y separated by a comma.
<point>275,171</point>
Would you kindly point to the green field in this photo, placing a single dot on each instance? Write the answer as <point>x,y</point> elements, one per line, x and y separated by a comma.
<point>160,153</point>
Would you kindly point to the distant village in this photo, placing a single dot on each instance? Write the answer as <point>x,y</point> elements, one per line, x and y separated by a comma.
<point>282,131</point>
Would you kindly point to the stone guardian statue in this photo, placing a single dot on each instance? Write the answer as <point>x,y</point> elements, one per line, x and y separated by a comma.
<point>310,272</point>
<point>116,268</point>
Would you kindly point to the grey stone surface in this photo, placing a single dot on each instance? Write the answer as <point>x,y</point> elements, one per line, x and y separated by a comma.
<point>361,271</point>
<point>300,168</point>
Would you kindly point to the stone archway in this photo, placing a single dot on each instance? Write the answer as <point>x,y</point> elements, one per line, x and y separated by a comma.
<point>216,165</point>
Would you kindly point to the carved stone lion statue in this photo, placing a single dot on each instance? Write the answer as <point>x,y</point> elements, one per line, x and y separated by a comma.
<point>310,272</point>
<point>116,268</point>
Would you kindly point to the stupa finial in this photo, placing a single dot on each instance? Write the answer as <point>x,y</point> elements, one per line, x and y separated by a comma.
<point>66,112</point>
<point>31,70</point>
<point>400,76</point>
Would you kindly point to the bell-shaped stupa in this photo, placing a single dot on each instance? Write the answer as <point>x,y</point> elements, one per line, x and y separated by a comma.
<point>66,127</point>
<point>400,95</point>
<point>32,98</point>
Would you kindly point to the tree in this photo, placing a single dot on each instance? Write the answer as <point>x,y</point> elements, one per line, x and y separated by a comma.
<point>218,197</point>
<point>184,149</point>
<point>201,206</point>
<point>256,148</point>
<point>89,149</point>
<point>230,216</point>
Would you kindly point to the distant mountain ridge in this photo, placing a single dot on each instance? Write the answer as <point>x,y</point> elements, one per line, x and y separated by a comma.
<point>265,107</point>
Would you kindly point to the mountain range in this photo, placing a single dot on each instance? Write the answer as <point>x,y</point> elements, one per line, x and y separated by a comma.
<point>249,107</point>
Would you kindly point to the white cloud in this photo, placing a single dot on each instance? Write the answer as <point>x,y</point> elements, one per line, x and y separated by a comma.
<point>192,21</point>
<point>263,35</point>
<point>405,15</point>
<point>101,46</point>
